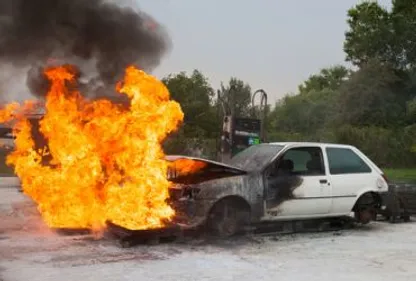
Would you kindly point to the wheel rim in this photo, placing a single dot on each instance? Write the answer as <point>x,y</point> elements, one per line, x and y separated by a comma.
<point>229,227</point>
<point>225,221</point>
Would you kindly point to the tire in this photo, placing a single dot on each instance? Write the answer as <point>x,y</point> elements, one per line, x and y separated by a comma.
<point>227,218</point>
<point>366,208</point>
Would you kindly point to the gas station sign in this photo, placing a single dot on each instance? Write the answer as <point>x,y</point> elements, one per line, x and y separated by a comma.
<point>246,132</point>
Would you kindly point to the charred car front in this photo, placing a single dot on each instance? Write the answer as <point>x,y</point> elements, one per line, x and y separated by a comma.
<point>274,182</point>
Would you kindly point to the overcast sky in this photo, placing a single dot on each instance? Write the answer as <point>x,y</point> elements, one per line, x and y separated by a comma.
<point>271,44</point>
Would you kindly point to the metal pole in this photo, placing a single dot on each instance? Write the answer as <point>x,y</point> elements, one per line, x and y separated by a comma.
<point>231,93</point>
<point>225,135</point>
<point>221,102</point>
<point>262,109</point>
<point>218,143</point>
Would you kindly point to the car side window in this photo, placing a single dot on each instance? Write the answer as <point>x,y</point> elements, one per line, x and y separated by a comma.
<point>345,161</point>
<point>304,161</point>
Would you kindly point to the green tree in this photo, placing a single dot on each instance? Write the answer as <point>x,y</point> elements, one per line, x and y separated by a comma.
<point>373,107</point>
<point>328,78</point>
<point>302,117</point>
<point>411,110</point>
<point>370,35</point>
<point>196,97</point>
<point>372,97</point>
<point>307,115</point>
<point>237,93</point>
<point>387,36</point>
<point>403,19</point>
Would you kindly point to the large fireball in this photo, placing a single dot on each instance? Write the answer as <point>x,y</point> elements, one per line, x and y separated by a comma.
<point>105,161</point>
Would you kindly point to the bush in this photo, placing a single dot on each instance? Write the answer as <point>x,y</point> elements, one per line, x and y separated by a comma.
<point>386,147</point>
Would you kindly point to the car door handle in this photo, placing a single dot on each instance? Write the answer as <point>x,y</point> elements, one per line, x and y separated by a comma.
<point>323,181</point>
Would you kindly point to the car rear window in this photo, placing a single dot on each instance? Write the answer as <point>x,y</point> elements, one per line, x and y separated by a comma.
<point>345,161</point>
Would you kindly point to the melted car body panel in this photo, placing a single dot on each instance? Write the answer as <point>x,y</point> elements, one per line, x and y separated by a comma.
<point>207,170</point>
<point>200,190</point>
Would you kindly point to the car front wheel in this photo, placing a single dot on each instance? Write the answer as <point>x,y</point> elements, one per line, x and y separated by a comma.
<point>228,217</point>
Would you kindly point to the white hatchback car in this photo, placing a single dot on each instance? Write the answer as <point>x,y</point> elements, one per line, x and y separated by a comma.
<point>277,182</point>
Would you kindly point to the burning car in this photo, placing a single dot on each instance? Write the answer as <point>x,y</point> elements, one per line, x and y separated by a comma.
<point>76,163</point>
<point>276,182</point>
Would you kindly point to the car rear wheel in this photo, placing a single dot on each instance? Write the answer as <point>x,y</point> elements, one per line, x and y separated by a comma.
<point>227,218</point>
<point>366,208</point>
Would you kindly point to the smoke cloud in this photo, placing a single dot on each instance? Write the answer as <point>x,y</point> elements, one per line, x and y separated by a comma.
<point>100,37</point>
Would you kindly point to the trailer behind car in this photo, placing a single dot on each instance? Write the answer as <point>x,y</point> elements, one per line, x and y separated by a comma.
<point>400,202</point>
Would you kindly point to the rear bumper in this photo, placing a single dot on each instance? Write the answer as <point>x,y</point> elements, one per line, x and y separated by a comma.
<point>385,197</point>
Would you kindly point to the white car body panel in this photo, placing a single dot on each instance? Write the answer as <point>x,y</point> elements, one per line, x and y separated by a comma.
<point>313,199</point>
<point>320,201</point>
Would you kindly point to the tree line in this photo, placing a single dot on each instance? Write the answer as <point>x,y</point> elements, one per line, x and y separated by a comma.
<point>371,105</point>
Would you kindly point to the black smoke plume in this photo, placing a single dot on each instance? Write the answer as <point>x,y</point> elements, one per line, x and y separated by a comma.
<point>83,32</point>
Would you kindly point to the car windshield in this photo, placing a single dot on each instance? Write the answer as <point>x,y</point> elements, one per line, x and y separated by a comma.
<point>255,157</point>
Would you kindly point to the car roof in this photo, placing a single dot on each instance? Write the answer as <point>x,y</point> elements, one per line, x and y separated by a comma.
<point>310,143</point>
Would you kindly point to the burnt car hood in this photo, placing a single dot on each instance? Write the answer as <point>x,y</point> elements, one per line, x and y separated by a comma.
<point>210,170</point>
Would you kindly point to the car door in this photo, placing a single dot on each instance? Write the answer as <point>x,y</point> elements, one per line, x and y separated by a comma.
<point>349,174</point>
<point>297,185</point>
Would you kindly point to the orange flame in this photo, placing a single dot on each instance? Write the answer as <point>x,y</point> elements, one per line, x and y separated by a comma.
<point>15,110</point>
<point>107,163</point>
<point>187,166</point>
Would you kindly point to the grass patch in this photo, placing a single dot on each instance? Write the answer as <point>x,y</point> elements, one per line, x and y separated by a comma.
<point>401,175</point>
